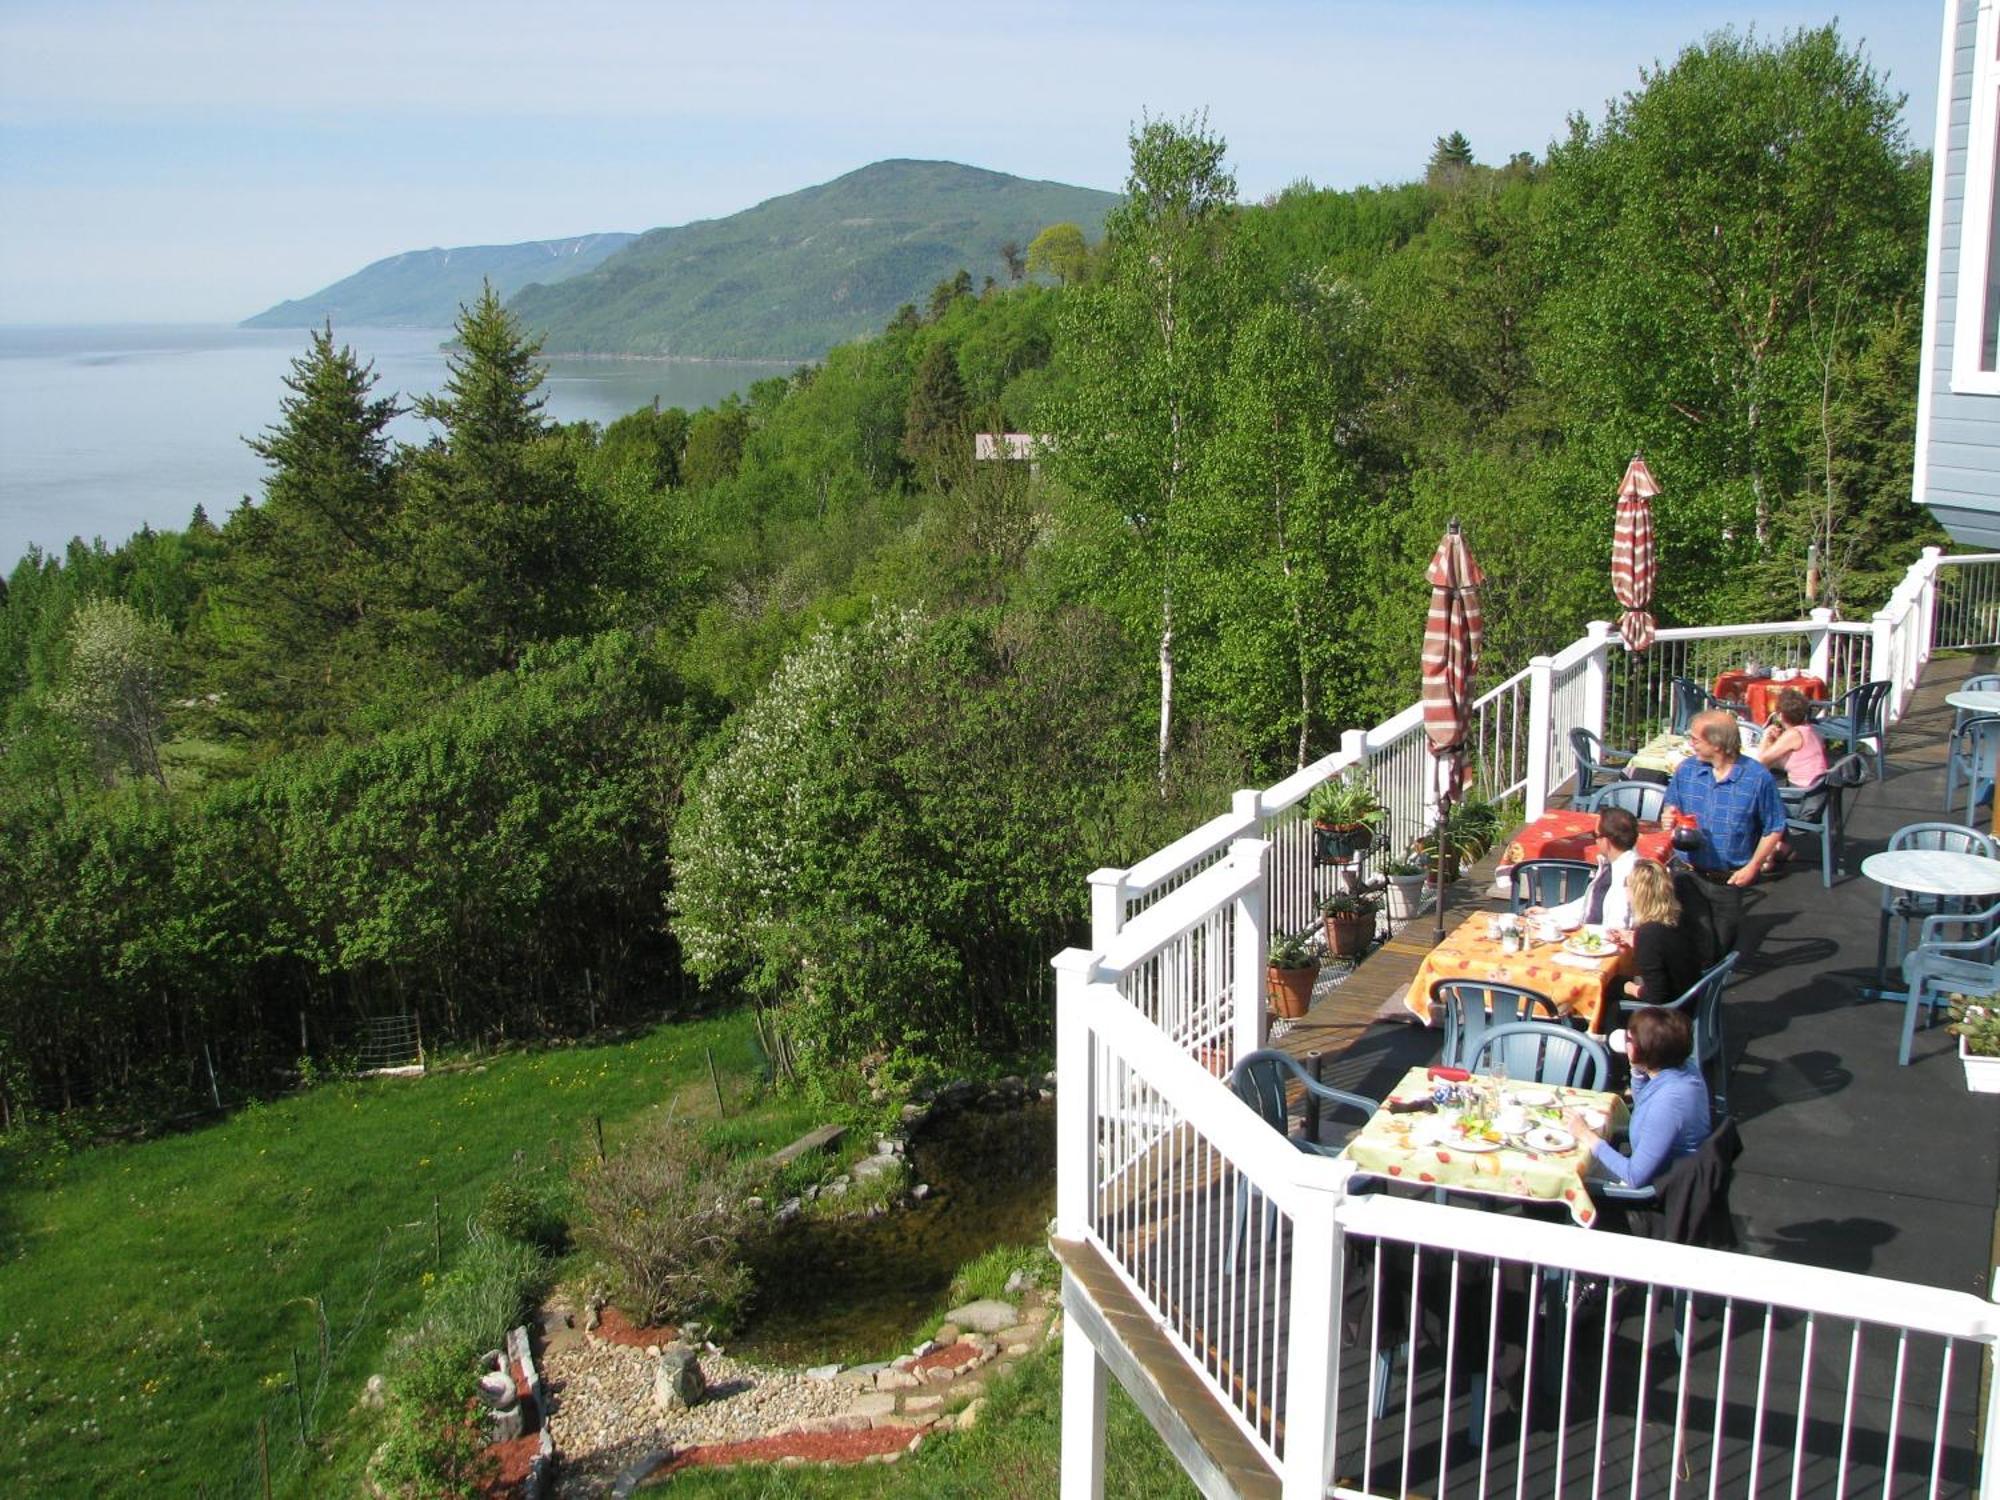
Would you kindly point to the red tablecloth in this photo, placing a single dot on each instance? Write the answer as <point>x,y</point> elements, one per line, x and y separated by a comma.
<point>1759,695</point>
<point>1563,834</point>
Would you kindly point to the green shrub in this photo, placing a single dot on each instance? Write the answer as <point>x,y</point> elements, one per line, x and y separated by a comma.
<point>529,1208</point>
<point>666,1216</point>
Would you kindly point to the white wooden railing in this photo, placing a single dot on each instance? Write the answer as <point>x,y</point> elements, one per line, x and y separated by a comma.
<point>1242,1248</point>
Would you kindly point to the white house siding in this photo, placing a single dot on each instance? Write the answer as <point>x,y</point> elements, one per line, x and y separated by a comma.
<point>1958,436</point>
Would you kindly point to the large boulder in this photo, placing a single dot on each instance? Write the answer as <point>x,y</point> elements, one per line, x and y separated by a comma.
<point>677,1379</point>
<point>988,1316</point>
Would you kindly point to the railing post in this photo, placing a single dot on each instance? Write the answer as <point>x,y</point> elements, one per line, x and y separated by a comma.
<point>1076,1150</point>
<point>1927,604</point>
<point>1253,946</point>
<point>1107,906</point>
<point>1882,663</point>
<point>1820,663</point>
<point>1312,1324</point>
<point>1083,1392</point>
<point>1596,675</point>
<point>1541,729</point>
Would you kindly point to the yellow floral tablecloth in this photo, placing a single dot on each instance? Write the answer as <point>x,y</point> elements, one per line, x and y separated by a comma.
<point>1393,1146</point>
<point>1579,986</point>
<point>1661,754</point>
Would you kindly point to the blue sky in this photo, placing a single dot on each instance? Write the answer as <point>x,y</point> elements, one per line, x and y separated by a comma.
<point>198,160</point>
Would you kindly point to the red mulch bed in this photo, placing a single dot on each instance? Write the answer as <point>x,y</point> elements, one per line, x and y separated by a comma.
<point>950,1357</point>
<point>813,1447</point>
<point>514,1457</point>
<point>615,1328</point>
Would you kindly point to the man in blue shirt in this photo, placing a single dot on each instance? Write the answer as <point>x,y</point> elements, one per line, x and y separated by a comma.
<point>1733,800</point>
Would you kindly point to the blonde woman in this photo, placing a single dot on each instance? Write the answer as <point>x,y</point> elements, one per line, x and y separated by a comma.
<point>1668,965</point>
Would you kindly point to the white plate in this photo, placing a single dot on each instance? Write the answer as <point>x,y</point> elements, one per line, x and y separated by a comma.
<point>1457,1143</point>
<point>1533,1098</point>
<point>1609,948</point>
<point>1549,1140</point>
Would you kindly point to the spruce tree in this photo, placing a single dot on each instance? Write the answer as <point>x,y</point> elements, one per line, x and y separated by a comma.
<point>301,589</point>
<point>937,428</point>
<point>503,545</point>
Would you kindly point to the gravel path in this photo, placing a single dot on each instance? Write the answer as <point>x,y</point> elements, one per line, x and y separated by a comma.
<point>604,1419</point>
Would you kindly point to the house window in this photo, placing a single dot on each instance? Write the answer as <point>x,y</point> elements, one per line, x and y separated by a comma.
<point>1975,365</point>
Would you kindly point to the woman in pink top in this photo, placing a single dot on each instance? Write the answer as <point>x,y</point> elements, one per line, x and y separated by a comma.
<point>1792,748</point>
<point>1791,744</point>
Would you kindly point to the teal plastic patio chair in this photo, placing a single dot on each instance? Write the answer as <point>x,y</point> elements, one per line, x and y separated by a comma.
<point>1593,761</point>
<point>1982,682</point>
<point>1856,721</point>
<point>1548,882</point>
<point>1818,808</point>
<point>1542,1052</point>
<point>1263,1080</point>
<point>1472,1008</point>
<point>1702,1005</point>
<point>1644,800</point>
<point>1906,907</point>
<point>1941,966</point>
<point>1974,745</point>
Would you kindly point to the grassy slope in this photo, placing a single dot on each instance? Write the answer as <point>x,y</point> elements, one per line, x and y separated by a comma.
<point>798,274</point>
<point>153,1294</point>
<point>1012,1455</point>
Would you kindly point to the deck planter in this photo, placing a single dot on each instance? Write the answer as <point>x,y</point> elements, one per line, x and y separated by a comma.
<point>1341,843</point>
<point>1982,1074</point>
<point>1290,990</point>
<point>1404,895</point>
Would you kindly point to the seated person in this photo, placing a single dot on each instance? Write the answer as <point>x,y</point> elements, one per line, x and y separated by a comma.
<point>1669,1100</point>
<point>1663,937</point>
<point>1790,742</point>
<point>1605,903</point>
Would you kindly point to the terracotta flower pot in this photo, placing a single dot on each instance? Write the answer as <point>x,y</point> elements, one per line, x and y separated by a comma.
<point>1349,935</point>
<point>1291,990</point>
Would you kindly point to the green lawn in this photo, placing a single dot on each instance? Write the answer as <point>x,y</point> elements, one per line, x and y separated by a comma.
<point>154,1295</point>
<point>1013,1454</point>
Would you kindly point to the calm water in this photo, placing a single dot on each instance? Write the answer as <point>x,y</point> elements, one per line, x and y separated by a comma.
<point>105,429</point>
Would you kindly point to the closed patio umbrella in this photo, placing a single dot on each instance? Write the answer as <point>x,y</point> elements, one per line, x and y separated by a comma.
<point>1451,657</point>
<point>1632,553</point>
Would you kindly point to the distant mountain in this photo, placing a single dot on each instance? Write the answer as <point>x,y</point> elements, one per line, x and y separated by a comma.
<point>423,288</point>
<point>796,275</point>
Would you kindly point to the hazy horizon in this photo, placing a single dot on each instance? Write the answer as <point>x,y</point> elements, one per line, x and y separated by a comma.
<point>198,163</point>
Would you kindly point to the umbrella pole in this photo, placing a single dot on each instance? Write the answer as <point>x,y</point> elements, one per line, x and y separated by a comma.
<point>1444,824</point>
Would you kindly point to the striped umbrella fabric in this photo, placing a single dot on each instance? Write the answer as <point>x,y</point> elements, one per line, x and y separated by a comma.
<point>1451,656</point>
<point>1632,553</point>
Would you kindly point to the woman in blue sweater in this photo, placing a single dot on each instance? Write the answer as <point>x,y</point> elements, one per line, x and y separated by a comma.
<point>1669,1100</point>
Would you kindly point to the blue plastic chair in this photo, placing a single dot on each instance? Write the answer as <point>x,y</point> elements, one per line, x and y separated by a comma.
<point>1912,906</point>
<point>1548,882</point>
<point>1543,1052</point>
<point>1817,808</point>
<point>1856,722</point>
<point>1263,1080</point>
<point>1689,699</point>
<point>1983,682</point>
<point>1703,1006</point>
<point>1974,745</point>
<point>1939,966</point>
<point>1471,1009</point>
<point>1644,800</point>
<point>1592,761</point>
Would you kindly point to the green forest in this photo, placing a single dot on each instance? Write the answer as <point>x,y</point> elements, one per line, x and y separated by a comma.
<point>790,702</point>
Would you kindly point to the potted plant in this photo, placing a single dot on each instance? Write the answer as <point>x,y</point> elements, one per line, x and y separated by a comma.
<point>1344,810</point>
<point>1404,886</point>
<point>1461,847</point>
<point>1289,980</point>
<point>1975,1021</point>
<point>1350,922</point>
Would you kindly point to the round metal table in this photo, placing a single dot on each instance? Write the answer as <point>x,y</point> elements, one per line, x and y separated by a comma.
<point>1977,702</point>
<point>1934,872</point>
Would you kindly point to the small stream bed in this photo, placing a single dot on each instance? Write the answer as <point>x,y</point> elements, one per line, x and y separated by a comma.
<point>856,1289</point>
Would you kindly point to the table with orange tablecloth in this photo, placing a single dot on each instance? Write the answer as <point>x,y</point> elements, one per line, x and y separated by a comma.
<point>1759,695</point>
<point>1563,833</point>
<point>1580,987</point>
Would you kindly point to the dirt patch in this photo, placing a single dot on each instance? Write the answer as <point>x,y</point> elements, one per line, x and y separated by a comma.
<point>615,1328</point>
<point>809,1447</point>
